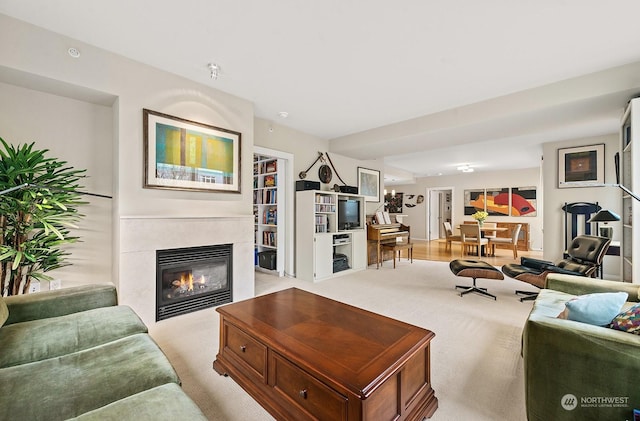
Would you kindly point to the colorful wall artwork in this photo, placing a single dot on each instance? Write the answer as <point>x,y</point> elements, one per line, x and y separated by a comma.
<point>506,201</point>
<point>473,198</point>
<point>523,201</point>
<point>187,155</point>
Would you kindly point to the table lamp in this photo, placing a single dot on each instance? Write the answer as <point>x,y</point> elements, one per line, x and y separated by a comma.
<point>605,216</point>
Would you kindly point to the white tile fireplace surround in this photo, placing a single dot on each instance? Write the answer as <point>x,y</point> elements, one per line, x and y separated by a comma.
<point>140,237</point>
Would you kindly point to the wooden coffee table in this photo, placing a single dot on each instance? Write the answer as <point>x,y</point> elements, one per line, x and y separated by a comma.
<point>304,357</point>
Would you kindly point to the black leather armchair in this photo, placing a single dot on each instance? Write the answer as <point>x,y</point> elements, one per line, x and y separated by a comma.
<point>582,258</point>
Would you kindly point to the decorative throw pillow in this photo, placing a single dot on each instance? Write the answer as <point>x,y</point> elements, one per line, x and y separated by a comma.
<point>596,309</point>
<point>627,321</point>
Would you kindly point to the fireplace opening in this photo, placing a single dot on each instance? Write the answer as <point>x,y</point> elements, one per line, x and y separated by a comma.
<point>192,279</point>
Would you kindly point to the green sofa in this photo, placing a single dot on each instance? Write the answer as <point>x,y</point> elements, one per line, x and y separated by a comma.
<point>74,353</point>
<point>576,370</point>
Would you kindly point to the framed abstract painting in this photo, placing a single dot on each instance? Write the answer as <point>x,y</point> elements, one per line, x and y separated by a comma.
<point>581,166</point>
<point>182,154</point>
<point>369,184</point>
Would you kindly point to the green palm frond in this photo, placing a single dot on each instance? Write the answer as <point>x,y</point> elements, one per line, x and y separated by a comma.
<point>36,219</point>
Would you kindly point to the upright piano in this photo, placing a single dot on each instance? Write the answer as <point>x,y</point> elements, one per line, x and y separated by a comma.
<point>378,234</point>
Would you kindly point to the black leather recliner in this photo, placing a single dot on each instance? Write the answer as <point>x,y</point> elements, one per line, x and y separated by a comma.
<point>583,258</point>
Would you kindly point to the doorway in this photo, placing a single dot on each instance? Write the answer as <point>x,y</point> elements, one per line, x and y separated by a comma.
<point>273,208</point>
<point>439,210</point>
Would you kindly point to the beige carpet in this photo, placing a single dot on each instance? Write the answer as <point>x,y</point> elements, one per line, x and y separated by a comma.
<point>477,369</point>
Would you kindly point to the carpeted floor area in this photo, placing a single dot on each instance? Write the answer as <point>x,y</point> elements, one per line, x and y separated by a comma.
<point>477,370</point>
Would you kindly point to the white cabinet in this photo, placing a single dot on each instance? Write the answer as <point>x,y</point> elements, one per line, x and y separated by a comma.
<point>268,212</point>
<point>331,239</point>
<point>630,178</point>
<point>323,252</point>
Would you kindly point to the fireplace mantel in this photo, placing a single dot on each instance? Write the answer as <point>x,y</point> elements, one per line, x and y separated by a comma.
<point>141,236</point>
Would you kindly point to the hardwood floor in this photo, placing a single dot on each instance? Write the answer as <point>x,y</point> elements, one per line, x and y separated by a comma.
<point>435,250</point>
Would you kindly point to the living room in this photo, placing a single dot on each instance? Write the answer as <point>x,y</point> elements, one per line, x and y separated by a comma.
<point>89,112</point>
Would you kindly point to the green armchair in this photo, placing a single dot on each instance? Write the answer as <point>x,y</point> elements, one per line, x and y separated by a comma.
<point>575,370</point>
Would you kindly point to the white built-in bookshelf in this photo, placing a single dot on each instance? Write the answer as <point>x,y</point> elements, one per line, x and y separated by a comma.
<point>268,213</point>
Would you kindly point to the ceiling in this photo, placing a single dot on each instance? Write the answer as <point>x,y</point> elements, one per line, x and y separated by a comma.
<point>427,85</point>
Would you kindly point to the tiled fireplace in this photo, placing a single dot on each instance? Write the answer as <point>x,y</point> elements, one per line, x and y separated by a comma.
<point>142,238</point>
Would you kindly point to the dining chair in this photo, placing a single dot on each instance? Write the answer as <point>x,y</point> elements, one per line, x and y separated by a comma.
<point>490,234</point>
<point>513,241</point>
<point>471,236</point>
<point>448,232</point>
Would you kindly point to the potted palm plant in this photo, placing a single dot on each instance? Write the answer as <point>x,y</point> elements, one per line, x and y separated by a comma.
<point>39,200</point>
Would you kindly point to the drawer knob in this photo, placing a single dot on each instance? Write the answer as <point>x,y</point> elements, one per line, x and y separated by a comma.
<point>243,348</point>
<point>303,393</point>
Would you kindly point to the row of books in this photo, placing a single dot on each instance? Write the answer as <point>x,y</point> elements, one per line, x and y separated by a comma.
<point>265,197</point>
<point>265,167</point>
<point>322,223</point>
<point>269,238</point>
<point>270,217</point>
<point>325,208</point>
<point>322,198</point>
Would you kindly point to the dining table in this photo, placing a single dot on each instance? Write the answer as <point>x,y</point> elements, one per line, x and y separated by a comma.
<point>485,229</point>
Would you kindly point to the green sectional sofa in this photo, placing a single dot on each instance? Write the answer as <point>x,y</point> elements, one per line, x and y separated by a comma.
<point>74,353</point>
<point>575,370</point>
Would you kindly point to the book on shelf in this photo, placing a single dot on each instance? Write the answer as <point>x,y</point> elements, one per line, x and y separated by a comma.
<point>269,180</point>
<point>269,238</point>
<point>322,223</point>
<point>271,166</point>
<point>270,217</point>
<point>269,197</point>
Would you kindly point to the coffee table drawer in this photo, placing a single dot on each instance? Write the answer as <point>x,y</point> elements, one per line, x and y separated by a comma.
<point>246,348</point>
<point>306,392</point>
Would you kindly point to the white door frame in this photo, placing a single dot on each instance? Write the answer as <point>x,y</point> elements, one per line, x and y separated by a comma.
<point>433,232</point>
<point>289,205</point>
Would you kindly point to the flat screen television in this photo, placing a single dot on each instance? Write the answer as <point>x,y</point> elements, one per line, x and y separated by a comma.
<point>348,214</point>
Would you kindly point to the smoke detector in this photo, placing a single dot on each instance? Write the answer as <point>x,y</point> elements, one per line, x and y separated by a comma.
<point>74,52</point>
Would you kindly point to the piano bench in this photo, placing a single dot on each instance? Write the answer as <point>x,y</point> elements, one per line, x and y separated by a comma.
<point>397,247</point>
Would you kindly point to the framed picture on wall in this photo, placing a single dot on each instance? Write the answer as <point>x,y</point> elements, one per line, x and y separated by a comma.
<point>581,166</point>
<point>369,184</point>
<point>182,154</point>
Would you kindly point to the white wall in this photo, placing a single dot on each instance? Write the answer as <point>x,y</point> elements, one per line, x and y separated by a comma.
<point>478,180</point>
<point>81,134</point>
<point>607,197</point>
<point>305,149</point>
<point>29,49</point>
<point>34,55</point>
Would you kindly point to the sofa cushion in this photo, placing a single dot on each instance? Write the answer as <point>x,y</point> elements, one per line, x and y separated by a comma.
<point>72,384</point>
<point>627,321</point>
<point>60,302</point>
<point>596,309</point>
<point>47,338</point>
<point>163,403</point>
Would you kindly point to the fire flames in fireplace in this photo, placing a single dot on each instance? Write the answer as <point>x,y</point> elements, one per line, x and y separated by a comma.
<point>183,283</point>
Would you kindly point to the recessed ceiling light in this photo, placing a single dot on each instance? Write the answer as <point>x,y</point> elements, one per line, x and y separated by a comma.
<point>283,114</point>
<point>465,168</point>
<point>74,52</point>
